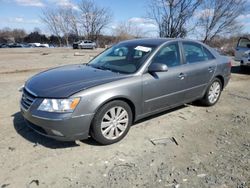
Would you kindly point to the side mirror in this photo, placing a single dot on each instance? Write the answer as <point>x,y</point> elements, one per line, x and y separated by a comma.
<point>157,67</point>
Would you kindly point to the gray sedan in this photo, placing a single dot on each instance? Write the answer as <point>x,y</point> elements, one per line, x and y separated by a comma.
<point>105,97</point>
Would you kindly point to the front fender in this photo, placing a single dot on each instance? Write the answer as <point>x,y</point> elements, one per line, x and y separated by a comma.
<point>92,99</point>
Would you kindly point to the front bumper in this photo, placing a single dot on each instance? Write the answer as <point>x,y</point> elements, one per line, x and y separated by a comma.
<point>63,127</point>
<point>245,62</point>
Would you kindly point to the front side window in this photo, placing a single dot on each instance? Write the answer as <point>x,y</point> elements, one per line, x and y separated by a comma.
<point>168,55</point>
<point>123,58</point>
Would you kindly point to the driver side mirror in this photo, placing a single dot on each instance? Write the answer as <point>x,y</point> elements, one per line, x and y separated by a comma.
<point>157,67</point>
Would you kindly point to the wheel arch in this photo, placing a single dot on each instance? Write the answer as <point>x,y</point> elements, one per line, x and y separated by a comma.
<point>120,98</point>
<point>221,78</point>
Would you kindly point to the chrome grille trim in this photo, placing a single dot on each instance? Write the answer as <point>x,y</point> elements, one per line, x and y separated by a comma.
<point>27,99</point>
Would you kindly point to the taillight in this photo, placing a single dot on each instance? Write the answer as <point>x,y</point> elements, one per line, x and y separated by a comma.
<point>229,64</point>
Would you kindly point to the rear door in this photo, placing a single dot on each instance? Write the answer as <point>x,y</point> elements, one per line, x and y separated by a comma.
<point>200,65</point>
<point>242,46</point>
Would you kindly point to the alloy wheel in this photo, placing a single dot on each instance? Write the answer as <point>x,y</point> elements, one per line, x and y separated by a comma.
<point>214,92</point>
<point>114,122</point>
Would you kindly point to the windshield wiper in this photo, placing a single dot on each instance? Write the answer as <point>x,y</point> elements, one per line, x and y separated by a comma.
<point>105,68</point>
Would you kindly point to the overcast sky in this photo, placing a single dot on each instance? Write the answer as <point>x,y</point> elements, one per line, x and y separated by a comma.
<point>25,14</point>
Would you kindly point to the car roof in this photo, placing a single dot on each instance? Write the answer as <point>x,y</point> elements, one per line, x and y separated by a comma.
<point>147,41</point>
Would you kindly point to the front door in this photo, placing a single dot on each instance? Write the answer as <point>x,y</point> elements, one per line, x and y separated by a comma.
<point>164,89</point>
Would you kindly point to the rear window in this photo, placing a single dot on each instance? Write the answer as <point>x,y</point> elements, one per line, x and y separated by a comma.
<point>244,43</point>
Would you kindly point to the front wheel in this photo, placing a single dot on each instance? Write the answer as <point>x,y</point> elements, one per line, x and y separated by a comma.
<point>213,93</point>
<point>111,122</point>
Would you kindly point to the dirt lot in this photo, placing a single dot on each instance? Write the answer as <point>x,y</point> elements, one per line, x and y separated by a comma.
<point>211,146</point>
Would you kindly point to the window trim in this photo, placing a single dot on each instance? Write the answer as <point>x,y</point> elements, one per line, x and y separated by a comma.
<point>203,47</point>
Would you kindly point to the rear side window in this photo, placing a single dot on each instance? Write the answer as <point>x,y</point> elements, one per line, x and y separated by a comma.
<point>196,53</point>
<point>208,55</point>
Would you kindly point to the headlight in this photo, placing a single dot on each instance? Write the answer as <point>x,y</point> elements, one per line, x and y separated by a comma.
<point>246,54</point>
<point>59,105</point>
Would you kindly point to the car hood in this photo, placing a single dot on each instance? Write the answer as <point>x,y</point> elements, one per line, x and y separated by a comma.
<point>65,81</point>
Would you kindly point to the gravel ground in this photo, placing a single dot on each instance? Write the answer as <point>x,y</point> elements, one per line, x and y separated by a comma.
<point>190,146</point>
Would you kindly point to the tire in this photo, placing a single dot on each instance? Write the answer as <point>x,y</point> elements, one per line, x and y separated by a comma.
<point>208,99</point>
<point>104,129</point>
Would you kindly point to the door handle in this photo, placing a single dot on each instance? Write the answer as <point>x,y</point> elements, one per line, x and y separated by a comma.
<point>210,69</point>
<point>182,76</point>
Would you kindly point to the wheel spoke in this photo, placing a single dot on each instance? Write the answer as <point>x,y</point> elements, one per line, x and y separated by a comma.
<point>217,88</point>
<point>125,120</point>
<point>111,133</point>
<point>105,124</point>
<point>121,127</point>
<point>112,112</point>
<point>116,132</point>
<point>123,114</point>
<point>107,117</point>
<point>118,111</point>
<point>107,130</point>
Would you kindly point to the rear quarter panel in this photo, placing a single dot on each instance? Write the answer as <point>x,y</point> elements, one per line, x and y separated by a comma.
<point>223,68</point>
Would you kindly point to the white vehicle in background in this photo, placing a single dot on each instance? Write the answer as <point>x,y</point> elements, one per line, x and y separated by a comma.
<point>245,60</point>
<point>242,46</point>
<point>84,44</point>
<point>39,45</point>
<point>44,46</point>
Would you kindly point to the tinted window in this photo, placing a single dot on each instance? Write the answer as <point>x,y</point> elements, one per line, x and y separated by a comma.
<point>168,55</point>
<point>208,55</point>
<point>193,52</point>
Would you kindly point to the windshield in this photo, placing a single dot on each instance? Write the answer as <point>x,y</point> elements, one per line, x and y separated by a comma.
<point>122,58</point>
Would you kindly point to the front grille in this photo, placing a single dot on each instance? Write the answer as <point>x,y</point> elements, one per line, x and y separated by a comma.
<point>27,99</point>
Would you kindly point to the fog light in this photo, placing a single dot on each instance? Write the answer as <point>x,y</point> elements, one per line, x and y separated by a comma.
<point>56,132</point>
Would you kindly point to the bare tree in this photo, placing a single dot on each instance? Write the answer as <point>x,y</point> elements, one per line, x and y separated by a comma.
<point>172,16</point>
<point>93,18</point>
<point>64,20</point>
<point>128,30</point>
<point>12,35</point>
<point>50,18</point>
<point>74,22</point>
<point>219,17</point>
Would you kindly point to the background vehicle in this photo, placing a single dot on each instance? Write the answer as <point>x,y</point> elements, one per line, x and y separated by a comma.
<point>104,97</point>
<point>242,46</point>
<point>85,44</point>
<point>245,60</point>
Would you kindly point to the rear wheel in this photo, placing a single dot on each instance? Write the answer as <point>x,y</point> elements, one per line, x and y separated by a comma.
<point>213,93</point>
<point>111,122</point>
